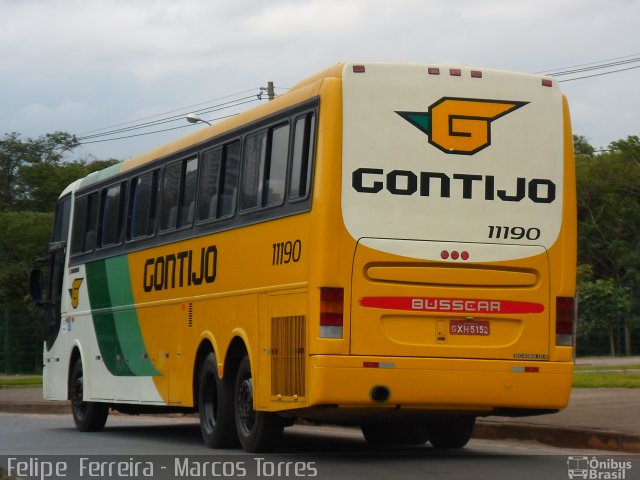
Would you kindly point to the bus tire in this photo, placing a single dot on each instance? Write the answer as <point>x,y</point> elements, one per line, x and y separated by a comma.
<point>451,434</point>
<point>388,434</point>
<point>215,406</point>
<point>257,431</point>
<point>88,416</point>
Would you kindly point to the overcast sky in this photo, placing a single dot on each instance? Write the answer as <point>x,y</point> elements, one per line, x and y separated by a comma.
<point>77,65</point>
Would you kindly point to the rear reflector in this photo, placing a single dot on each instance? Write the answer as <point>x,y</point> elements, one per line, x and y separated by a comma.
<point>565,320</point>
<point>522,369</point>
<point>331,312</point>
<point>378,365</point>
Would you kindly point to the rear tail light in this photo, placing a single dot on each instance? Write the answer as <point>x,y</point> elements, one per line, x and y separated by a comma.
<point>565,320</point>
<point>331,309</point>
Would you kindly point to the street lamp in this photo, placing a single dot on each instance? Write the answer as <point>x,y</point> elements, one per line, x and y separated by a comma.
<point>193,118</point>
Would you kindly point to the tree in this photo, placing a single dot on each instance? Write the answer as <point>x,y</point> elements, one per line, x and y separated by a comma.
<point>17,154</point>
<point>582,147</point>
<point>604,306</point>
<point>609,223</point>
<point>33,173</point>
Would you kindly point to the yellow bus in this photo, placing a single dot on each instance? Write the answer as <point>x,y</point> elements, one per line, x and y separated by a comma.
<point>389,246</point>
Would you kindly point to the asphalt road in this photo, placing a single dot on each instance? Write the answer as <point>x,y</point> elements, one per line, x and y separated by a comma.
<point>172,448</point>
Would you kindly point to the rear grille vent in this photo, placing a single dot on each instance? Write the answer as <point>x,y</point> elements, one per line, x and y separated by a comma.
<point>287,356</point>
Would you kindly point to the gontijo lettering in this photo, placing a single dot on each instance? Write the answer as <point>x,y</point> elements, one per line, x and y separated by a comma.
<point>406,182</point>
<point>181,269</point>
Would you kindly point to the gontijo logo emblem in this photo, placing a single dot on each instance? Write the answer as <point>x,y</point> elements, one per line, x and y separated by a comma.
<point>460,126</point>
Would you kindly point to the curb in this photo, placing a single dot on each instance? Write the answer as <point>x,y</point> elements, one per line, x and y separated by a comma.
<point>566,437</point>
<point>53,408</point>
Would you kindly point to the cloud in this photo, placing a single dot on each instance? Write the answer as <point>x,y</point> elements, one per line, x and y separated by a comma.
<point>114,59</point>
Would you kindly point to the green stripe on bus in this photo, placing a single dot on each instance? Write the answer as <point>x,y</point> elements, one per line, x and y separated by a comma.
<point>118,332</point>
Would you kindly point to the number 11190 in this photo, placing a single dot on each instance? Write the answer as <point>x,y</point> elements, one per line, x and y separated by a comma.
<point>513,233</point>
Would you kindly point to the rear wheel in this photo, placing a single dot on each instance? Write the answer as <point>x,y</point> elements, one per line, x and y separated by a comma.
<point>215,404</point>
<point>257,431</point>
<point>88,416</point>
<point>387,434</point>
<point>453,433</point>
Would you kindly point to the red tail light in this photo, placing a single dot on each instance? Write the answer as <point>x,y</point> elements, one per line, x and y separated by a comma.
<point>331,312</point>
<point>565,320</point>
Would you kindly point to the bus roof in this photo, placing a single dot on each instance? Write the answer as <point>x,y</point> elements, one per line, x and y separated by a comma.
<point>302,91</point>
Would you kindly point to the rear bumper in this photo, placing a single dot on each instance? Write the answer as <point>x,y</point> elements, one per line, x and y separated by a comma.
<point>478,386</point>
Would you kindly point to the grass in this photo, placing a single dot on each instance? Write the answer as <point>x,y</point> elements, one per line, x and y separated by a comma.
<point>20,381</point>
<point>606,380</point>
<point>606,367</point>
<point>3,475</point>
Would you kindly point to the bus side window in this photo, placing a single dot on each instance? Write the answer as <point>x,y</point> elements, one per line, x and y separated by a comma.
<point>188,193</point>
<point>61,225</point>
<point>209,184</point>
<point>79,218</point>
<point>253,165</point>
<point>111,219</point>
<point>142,210</point>
<point>170,195</point>
<point>85,217</point>
<point>229,180</point>
<point>276,169</point>
<point>92,220</point>
<point>303,144</point>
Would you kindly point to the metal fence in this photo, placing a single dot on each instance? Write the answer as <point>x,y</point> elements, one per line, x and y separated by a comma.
<point>22,334</point>
<point>21,338</point>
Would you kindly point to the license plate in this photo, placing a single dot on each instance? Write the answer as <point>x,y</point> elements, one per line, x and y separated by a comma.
<point>469,327</point>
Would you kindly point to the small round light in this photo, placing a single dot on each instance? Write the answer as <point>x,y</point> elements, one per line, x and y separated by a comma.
<point>454,255</point>
<point>444,254</point>
<point>464,255</point>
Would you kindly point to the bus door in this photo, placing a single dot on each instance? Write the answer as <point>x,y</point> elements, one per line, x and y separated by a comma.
<point>51,299</point>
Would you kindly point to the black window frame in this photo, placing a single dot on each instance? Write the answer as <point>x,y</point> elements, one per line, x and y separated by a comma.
<point>233,143</point>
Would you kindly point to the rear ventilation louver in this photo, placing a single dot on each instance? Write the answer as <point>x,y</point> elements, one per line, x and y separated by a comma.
<point>287,356</point>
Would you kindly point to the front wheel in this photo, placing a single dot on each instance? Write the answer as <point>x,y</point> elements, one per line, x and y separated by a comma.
<point>88,416</point>
<point>257,431</point>
<point>453,433</point>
